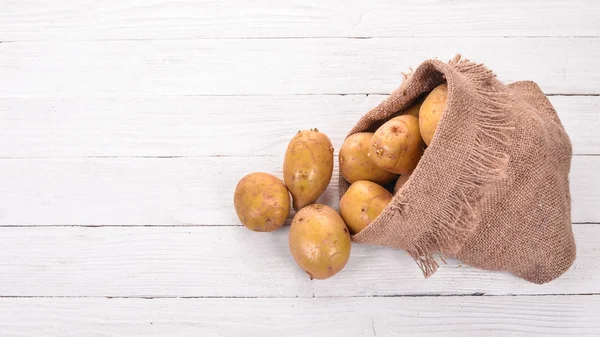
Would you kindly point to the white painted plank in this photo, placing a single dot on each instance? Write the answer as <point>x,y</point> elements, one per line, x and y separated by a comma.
<point>210,125</point>
<point>368,317</point>
<point>155,191</point>
<point>235,262</point>
<point>128,191</point>
<point>273,66</point>
<point>164,19</point>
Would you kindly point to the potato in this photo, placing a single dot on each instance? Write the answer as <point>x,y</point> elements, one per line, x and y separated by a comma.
<point>362,203</point>
<point>396,146</point>
<point>400,182</point>
<point>262,202</point>
<point>414,108</point>
<point>431,111</point>
<point>308,166</point>
<point>355,163</point>
<point>319,241</point>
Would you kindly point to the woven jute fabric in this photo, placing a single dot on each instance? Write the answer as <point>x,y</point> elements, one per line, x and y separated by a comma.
<point>492,188</point>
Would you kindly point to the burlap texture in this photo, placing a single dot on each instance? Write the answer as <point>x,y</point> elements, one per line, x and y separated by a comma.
<point>492,188</point>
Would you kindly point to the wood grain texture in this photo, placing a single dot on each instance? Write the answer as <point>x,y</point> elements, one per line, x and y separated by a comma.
<point>171,191</point>
<point>235,262</point>
<point>184,19</point>
<point>368,317</point>
<point>274,66</point>
<point>125,126</point>
<point>204,125</point>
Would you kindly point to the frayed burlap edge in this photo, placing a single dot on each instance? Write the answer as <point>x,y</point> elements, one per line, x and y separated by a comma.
<point>485,164</point>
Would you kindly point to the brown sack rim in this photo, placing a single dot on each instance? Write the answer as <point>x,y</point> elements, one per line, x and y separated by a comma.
<point>481,164</point>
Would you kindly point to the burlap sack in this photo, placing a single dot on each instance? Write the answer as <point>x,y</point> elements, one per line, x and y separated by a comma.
<point>492,188</point>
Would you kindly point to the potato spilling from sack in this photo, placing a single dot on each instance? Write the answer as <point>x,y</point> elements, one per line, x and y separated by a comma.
<point>374,162</point>
<point>397,146</point>
<point>308,166</point>
<point>362,203</point>
<point>431,111</point>
<point>319,241</point>
<point>262,202</point>
<point>355,163</point>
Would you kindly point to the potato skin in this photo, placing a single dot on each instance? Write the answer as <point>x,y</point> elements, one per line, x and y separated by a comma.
<point>397,146</point>
<point>414,109</point>
<point>308,166</point>
<point>319,241</point>
<point>431,111</point>
<point>362,203</point>
<point>355,163</point>
<point>400,182</point>
<point>262,202</point>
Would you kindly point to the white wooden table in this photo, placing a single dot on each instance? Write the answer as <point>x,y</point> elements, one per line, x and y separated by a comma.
<point>126,124</point>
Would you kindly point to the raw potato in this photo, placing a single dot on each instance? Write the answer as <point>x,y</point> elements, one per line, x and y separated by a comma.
<point>397,146</point>
<point>355,163</point>
<point>262,202</point>
<point>400,182</point>
<point>308,166</point>
<point>319,241</point>
<point>362,203</point>
<point>414,109</point>
<point>431,111</point>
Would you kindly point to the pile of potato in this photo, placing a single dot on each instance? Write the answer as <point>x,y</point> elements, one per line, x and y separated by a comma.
<point>375,163</point>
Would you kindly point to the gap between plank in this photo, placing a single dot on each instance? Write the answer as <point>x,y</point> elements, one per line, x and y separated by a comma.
<point>475,294</point>
<point>357,37</point>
